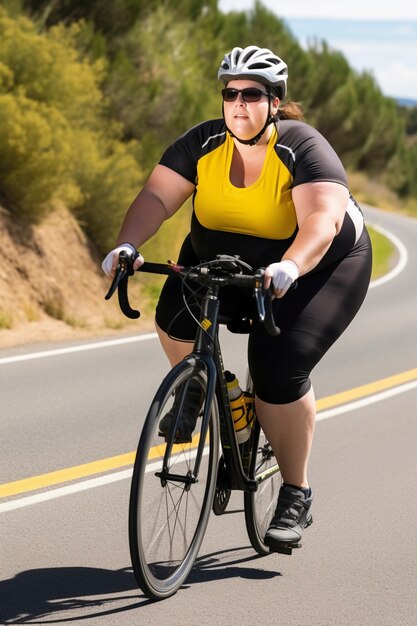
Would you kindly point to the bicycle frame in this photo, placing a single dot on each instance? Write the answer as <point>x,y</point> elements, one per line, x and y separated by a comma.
<point>206,354</point>
<point>207,351</point>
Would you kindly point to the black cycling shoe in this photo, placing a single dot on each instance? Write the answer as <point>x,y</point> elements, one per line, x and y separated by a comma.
<point>291,516</point>
<point>188,418</point>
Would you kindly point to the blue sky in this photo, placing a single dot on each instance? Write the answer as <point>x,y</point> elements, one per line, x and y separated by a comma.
<point>373,36</point>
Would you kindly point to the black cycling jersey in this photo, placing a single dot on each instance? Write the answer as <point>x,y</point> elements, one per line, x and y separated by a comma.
<point>263,214</point>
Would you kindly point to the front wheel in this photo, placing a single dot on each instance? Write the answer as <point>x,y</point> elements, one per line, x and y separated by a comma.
<point>260,505</point>
<point>171,498</point>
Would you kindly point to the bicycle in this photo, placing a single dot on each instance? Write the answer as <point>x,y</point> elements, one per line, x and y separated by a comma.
<point>175,486</point>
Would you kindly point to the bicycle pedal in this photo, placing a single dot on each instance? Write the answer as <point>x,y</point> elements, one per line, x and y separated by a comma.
<point>285,549</point>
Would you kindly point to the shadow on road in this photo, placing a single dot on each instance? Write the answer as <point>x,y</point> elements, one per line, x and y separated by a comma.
<point>227,564</point>
<point>38,593</point>
<point>83,593</point>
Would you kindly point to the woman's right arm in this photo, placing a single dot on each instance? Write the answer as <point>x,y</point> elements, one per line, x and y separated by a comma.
<point>162,195</point>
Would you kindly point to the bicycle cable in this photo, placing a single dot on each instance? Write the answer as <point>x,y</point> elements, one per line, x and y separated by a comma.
<point>194,292</point>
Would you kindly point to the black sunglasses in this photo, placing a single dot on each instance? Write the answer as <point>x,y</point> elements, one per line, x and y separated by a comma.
<point>250,94</point>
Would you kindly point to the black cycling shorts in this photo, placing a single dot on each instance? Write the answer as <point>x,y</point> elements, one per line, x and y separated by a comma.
<point>311,318</point>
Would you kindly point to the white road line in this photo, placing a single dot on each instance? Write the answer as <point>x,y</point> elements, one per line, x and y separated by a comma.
<point>106,479</point>
<point>359,404</point>
<point>65,491</point>
<point>79,348</point>
<point>402,257</point>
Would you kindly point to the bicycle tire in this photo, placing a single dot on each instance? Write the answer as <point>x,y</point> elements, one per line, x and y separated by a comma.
<point>260,505</point>
<point>167,518</point>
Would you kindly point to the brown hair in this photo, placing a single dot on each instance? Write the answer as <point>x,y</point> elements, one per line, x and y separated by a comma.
<point>290,111</point>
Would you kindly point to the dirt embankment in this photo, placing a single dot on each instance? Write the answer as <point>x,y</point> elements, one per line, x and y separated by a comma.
<point>51,284</point>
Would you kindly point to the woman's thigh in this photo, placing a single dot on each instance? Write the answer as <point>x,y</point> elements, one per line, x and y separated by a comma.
<point>311,317</point>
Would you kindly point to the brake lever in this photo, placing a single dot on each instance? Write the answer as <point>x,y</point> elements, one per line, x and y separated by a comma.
<point>113,287</point>
<point>263,299</point>
<point>118,277</point>
<point>269,321</point>
<point>120,280</point>
<point>259,293</point>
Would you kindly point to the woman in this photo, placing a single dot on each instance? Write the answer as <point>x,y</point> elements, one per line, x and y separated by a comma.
<point>272,190</point>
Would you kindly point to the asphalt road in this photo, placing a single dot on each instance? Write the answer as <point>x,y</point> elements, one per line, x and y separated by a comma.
<point>63,539</point>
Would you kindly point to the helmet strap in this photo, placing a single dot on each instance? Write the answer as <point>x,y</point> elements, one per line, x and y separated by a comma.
<point>270,119</point>
<point>253,140</point>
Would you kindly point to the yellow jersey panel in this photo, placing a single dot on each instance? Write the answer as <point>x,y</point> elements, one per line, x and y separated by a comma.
<point>263,209</point>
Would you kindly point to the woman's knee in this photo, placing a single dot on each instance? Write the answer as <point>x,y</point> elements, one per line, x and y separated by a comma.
<point>175,349</point>
<point>281,389</point>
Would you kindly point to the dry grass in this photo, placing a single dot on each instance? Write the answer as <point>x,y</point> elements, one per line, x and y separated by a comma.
<point>369,191</point>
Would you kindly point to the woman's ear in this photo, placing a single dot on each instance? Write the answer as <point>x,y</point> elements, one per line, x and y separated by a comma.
<point>275,105</point>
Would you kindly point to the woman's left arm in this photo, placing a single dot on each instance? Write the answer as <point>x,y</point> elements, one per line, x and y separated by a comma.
<point>320,209</point>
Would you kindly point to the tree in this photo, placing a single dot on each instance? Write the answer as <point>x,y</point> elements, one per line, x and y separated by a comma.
<point>163,80</point>
<point>411,120</point>
<point>330,72</point>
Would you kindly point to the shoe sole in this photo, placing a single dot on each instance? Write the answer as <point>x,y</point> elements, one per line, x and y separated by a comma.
<point>286,548</point>
<point>178,438</point>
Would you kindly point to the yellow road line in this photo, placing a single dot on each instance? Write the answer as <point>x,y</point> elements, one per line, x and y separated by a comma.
<point>79,471</point>
<point>366,390</point>
<point>65,475</point>
<point>122,460</point>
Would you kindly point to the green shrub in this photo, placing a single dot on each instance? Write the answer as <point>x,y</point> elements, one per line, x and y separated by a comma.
<point>6,320</point>
<point>35,156</point>
<point>109,178</point>
<point>57,143</point>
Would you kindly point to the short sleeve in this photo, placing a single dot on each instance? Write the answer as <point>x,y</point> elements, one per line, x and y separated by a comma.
<point>315,159</point>
<point>183,154</point>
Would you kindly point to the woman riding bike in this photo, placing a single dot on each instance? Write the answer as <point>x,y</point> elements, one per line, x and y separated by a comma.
<point>268,187</point>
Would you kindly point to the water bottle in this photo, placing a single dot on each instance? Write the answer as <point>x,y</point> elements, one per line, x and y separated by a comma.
<point>241,413</point>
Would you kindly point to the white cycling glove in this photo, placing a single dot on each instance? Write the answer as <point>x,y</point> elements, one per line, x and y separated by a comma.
<point>283,274</point>
<point>109,264</point>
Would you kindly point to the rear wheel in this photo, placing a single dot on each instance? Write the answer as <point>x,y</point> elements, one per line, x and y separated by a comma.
<point>260,505</point>
<point>171,499</point>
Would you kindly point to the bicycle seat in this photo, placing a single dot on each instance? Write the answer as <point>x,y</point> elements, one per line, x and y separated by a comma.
<point>238,325</point>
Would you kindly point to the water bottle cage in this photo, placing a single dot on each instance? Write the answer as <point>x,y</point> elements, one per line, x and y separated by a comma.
<point>243,412</point>
<point>250,407</point>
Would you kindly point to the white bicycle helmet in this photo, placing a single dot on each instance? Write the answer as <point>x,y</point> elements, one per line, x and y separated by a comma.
<point>254,63</point>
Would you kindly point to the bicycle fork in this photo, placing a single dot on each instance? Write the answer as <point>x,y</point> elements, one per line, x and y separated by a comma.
<point>191,476</point>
